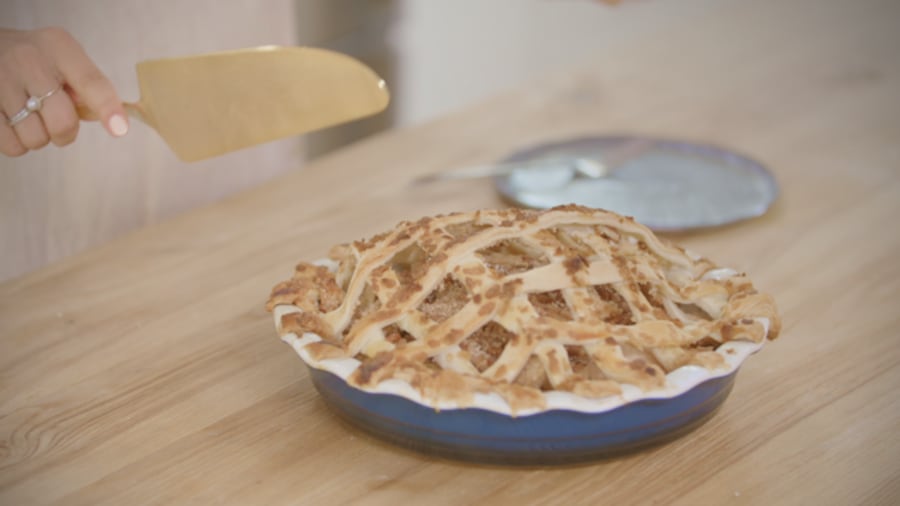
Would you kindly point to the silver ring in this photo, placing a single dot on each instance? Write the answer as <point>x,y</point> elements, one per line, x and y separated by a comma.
<point>33,104</point>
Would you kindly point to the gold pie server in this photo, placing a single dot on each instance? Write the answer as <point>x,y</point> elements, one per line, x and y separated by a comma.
<point>210,104</point>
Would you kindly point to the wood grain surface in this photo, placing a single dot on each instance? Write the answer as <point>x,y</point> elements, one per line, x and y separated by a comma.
<point>147,372</point>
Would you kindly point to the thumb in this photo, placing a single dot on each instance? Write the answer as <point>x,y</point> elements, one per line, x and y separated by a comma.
<point>91,91</point>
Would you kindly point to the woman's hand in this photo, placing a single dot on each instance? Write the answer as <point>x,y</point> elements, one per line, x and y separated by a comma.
<point>43,75</point>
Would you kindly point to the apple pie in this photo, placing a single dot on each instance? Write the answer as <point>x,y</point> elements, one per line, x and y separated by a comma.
<point>527,310</point>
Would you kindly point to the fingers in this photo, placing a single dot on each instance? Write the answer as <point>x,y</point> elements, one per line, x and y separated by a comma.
<point>60,121</point>
<point>86,80</point>
<point>36,80</point>
<point>31,132</point>
<point>12,100</point>
<point>60,118</point>
<point>34,63</point>
<point>10,145</point>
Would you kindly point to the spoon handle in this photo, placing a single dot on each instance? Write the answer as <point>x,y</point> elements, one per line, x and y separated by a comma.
<point>499,169</point>
<point>579,166</point>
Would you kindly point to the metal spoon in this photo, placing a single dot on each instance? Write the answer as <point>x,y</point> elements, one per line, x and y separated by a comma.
<point>549,173</point>
<point>558,171</point>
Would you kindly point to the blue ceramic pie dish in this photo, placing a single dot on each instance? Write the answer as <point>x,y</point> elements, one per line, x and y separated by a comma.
<point>569,430</point>
<point>546,438</point>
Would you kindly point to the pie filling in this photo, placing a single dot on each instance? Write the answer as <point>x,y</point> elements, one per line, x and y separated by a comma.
<point>519,303</point>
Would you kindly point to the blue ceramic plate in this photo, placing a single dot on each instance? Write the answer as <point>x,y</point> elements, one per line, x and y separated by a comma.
<point>667,185</point>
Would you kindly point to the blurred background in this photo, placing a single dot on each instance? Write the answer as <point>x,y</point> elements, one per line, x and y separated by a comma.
<point>437,57</point>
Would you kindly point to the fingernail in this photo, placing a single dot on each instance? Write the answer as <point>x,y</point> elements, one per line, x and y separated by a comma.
<point>118,126</point>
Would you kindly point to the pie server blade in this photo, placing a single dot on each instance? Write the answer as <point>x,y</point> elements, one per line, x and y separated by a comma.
<point>210,104</point>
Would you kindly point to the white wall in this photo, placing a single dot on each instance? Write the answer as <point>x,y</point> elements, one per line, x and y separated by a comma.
<point>453,53</point>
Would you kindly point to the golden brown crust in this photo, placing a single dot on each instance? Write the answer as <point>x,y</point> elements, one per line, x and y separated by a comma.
<point>517,302</point>
<point>313,288</point>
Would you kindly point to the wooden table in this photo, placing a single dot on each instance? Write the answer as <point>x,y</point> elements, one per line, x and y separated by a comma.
<point>147,371</point>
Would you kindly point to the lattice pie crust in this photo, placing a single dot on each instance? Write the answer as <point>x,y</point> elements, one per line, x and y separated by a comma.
<point>521,311</point>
